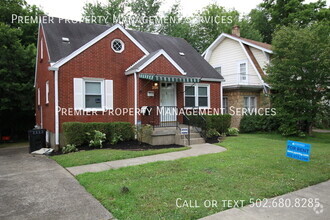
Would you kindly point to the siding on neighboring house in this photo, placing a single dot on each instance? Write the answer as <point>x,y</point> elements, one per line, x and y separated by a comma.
<point>260,57</point>
<point>228,54</point>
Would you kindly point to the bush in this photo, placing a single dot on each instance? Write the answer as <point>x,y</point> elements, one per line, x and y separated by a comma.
<point>255,123</point>
<point>232,131</point>
<point>69,148</point>
<point>96,139</point>
<point>212,133</point>
<point>220,123</point>
<point>76,132</point>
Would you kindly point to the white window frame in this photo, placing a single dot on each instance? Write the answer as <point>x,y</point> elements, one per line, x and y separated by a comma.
<point>249,102</point>
<point>225,106</point>
<point>217,70</point>
<point>38,97</point>
<point>122,45</point>
<point>47,92</point>
<point>41,49</point>
<point>102,94</point>
<point>197,95</point>
<point>246,71</point>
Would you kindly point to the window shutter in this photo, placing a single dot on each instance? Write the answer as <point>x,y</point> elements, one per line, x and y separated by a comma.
<point>108,94</point>
<point>78,88</point>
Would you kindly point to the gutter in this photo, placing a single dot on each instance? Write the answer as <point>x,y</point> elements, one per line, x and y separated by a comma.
<point>57,130</point>
<point>135,98</point>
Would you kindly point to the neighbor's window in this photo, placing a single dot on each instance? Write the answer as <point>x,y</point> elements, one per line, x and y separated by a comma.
<point>225,105</point>
<point>197,96</point>
<point>243,72</point>
<point>93,94</point>
<point>117,45</point>
<point>218,69</point>
<point>250,102</point>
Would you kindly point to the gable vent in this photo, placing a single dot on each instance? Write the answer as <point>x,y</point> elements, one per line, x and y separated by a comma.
<point>65,40</point>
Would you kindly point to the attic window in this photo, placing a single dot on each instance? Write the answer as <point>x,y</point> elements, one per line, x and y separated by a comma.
<point>65,40</point>
<point>181,53</point>
<point>117,45</point>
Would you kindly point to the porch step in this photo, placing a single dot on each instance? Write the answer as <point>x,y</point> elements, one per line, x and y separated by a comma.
<point>184,141</point>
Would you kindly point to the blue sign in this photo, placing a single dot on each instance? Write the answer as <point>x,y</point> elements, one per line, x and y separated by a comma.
<point>298,151</point>
<point>184,131</point>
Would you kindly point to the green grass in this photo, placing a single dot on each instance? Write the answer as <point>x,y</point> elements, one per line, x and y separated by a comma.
<point>104,155</point>
<point>254,166</point>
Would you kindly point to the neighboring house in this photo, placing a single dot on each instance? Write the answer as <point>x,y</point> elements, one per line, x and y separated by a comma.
<point>84,67</point>
<point>241,62</point>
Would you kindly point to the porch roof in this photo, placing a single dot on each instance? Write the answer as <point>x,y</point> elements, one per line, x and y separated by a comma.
<point>169,78</point>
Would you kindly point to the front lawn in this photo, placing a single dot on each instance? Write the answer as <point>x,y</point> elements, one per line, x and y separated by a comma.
<point>254,166</point>
<point>104,155</point>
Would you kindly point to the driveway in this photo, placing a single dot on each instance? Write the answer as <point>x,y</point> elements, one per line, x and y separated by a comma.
<point>36,187</point>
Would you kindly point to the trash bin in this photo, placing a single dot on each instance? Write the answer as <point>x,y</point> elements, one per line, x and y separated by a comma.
<point>37,139</point>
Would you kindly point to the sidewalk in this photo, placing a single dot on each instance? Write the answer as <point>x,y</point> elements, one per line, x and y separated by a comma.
<point>196,150</point>
<point>320,191</point>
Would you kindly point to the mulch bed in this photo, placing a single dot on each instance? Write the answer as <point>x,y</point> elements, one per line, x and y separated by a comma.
<point>126,145</point>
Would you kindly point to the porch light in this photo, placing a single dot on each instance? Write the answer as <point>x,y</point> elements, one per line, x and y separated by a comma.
<point>155,85</point>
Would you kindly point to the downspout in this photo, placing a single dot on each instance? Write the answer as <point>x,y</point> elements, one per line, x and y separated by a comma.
<point>135,98</point>
<point>57,135</point>
<point>221,98</point>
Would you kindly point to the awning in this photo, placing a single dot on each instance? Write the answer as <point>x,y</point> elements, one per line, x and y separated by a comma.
<point>169,78</point>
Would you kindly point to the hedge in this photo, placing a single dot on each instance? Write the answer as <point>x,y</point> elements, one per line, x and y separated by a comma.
<point>76,132</point>
<point>255,123</point>
<point>220,123</point>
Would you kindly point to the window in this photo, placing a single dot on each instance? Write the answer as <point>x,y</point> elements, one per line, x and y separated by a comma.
<point>47,92</point>
<point>218,69</point>
<point>38,96</point>
<point>117,45</point>
<point>243,72</point>
<point>225,105</point>
<point>197,95</point>
<point>93,94</point>
<point>250,102</point>
<point>41,49</point>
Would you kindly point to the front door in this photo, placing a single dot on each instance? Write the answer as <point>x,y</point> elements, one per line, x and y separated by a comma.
<point>167,102</point>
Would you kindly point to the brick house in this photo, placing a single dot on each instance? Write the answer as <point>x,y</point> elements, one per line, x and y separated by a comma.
<point>82,69</point>
<point>242,63</point>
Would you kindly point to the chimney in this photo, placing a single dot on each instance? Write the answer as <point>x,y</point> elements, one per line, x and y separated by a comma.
<point>236,31</point>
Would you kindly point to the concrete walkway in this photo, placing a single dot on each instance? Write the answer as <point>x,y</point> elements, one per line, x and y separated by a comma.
<point>196,150</point>
<point>321,130</point>
<point>320,191</point>
<point>36,187</point>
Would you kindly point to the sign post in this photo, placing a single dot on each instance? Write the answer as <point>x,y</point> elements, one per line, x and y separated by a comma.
<point>184,132</point>
<point>298,150</point>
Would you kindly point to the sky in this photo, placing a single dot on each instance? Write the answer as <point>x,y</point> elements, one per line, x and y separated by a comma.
<point>72,9</point>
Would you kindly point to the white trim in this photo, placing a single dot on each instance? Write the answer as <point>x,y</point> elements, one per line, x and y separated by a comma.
<point>57,127</point>
<point>249,101</point>
<point>128,69</point>
<point>122,45</point>
<point>37,60</point>
<point>101,81</point>
<point>213,80</point>
<point>151,59</point>
<point>43,33</point>
<point>251,62</point>
<point>135,98</point>
<point>196,85</point>
<point>95,40</point>
<point>207,52</point>
<point>38,97</point>
<point>237,84</point>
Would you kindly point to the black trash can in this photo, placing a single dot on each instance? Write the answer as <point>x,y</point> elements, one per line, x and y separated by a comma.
<point>37,139</point>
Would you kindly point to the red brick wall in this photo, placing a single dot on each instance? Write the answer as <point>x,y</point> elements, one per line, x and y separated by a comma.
<point>161,66</point>
<point>100,61</point>
<point>44,75</point>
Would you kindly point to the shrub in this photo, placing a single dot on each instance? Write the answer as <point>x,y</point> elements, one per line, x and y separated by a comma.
<point>220,123</point>
<point>232,131</point>
<point>96,139</point>
<point>116,138</point>
<point>144,133</point>
<point>76,132</point>
<point>255,123</point>
<point>69,148</point>
<point>212,133</point>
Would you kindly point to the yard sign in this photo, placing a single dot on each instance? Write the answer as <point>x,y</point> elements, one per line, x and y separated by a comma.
<point>184,131</point>
<point>298,151</point>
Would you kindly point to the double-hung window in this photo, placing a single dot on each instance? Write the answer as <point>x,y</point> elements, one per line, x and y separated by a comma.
<point>225,105</point>
<point>93,94</point>
<point>250,103</point>
<point>243,72</point>
<point>197,96</point>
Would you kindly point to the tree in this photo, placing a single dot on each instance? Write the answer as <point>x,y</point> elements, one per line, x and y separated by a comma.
<point>300,75</point>
<point>112,10</point>
<point>17,60</point>
<point>143,10</point>
<point>272,14</point>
